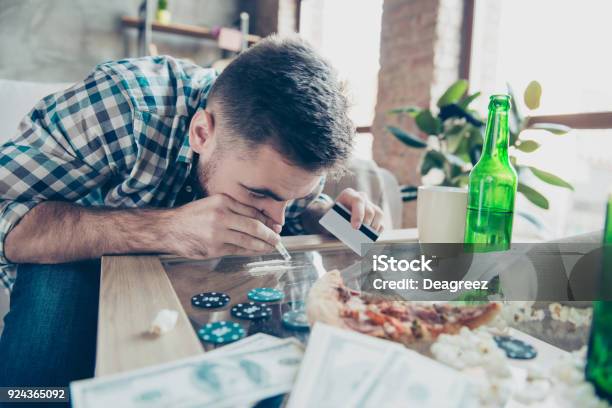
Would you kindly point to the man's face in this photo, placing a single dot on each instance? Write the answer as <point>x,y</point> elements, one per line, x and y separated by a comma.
<point>260,178</point>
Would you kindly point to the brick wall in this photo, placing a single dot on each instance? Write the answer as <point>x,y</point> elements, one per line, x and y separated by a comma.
<point>419,58</point>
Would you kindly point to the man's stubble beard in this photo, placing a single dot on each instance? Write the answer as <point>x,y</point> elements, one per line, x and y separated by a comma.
<point>204,173</point>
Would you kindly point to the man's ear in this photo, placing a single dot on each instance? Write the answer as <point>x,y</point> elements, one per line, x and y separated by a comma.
<point>202,131</point>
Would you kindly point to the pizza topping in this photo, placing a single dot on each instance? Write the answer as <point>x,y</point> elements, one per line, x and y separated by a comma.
<point>403,321</point>
<point>355,303</point>
<point>395,319</point>
<point>430,315</point>
<point>417,330</point>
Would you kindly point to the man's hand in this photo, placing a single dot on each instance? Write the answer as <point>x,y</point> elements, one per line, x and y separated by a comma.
<point>219,225</point>
<point>363,211</point>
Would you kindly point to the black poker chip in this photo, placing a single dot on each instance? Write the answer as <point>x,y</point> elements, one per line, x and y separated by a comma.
<point>210,300</point>
<point>251,311</point>
<point>515,348</point>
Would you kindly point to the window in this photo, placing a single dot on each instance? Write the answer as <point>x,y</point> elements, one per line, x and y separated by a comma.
<point>347,33</point>
<point>562,45</point>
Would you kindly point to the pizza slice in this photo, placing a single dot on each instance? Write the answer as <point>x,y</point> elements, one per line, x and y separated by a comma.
<point>331,301</point>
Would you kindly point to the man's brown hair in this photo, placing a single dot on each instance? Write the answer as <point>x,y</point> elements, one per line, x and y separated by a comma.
<point>282,92</point>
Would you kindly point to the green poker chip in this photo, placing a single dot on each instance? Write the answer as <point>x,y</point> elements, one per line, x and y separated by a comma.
<point>265,295</point>
<point>295,320</point>
<point>515,348</point>
<point>221,332</point>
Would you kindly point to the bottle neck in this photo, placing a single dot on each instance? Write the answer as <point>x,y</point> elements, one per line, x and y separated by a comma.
<point>496,135</point>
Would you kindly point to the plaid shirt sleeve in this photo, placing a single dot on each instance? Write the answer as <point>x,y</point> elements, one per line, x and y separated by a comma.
<point>293,222</point>
<point>70,143</point>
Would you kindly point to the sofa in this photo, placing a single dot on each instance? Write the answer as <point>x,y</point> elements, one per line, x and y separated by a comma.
<point>17,98</point>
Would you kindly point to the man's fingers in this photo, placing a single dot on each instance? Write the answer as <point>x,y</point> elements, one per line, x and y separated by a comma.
<point>356,203</point>
<point>358,213</point>
<point>370,213</point>
<point>252,212</point>
<point>376,222</point>
<point>231,249</point>
<point>246,241</point>
<point>252,227</point>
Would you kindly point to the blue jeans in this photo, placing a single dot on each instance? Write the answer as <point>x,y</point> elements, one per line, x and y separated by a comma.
<point>49,336</point>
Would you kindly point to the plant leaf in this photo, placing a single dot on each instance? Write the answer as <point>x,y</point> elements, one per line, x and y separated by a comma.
<point>453,93</point>
<point>550,178</point>
<point>432,159</point>
<point>456,138</point>
<point>427,123</point>
<point>533,196</point>
<point>461,180</point>
<point>527,146</point>
<point>532,219</point>
<point>454,160</point>
<point>465,102</point>
<point>455,111</point>
<point>407,138</point>
<point>514,137</point>
<point>411,110</point>
<point>555,128</point>
<point>532,95</point>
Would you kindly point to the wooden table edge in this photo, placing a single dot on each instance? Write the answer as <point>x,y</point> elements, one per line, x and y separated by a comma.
<point>127,306</point>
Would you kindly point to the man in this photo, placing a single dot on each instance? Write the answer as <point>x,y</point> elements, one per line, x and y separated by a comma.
<point>156,155</point>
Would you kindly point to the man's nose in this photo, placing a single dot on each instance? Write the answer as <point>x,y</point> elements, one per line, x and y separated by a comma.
<point>276,211</point>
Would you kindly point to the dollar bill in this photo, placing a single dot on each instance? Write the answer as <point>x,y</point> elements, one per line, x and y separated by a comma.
<point>408,379</point>
<point>336,364</point>
<point>342,368</point>
<point>258,367</point>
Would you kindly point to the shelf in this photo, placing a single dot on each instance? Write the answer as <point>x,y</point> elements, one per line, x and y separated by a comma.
<point>179,29</point>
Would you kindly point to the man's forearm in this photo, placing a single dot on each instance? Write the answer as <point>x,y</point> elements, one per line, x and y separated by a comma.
<point>56,232</point>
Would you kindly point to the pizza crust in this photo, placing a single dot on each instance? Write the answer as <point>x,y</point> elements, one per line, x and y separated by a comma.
<point>491,312</point>
<point>322,304</point>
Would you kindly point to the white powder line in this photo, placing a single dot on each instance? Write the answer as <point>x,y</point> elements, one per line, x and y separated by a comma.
<point>266,263</point>
<point>272,268</point>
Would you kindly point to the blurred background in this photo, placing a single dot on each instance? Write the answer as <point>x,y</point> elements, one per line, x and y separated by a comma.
<point>410,65</point>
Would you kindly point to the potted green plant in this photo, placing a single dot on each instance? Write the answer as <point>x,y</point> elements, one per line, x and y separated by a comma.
<point>163,15</point>
<point>455,136</point>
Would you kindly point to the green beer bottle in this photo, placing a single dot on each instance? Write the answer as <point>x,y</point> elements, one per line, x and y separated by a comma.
<point>599,357</point>
<point>492,185</point>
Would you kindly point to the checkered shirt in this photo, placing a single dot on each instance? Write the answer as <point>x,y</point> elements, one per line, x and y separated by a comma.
<point>117,139</point>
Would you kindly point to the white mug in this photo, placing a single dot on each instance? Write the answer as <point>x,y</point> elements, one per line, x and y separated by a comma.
<point>441,214</point>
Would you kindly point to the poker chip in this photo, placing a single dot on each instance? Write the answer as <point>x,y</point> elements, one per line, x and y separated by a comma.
<point>296,320</point>
<point>515,348</point>
<point>210,300</point>
<point>265,295</point>
<point>221,332</point>
<point>251,311</point>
